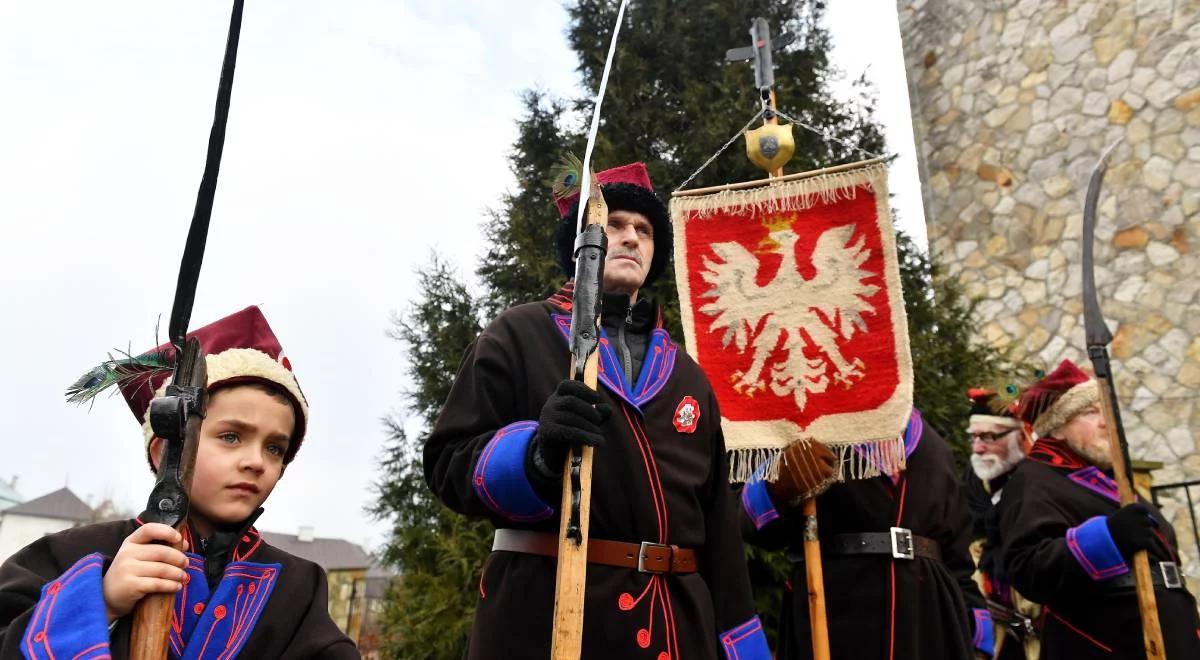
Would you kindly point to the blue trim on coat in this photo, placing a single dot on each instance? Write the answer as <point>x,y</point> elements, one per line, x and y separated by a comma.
<point>226,621</point>
<point>657,365</point>
<point>1096,481</point>
<point>985,632</point>
<point>500,480</point>
<point>1094,549</point>
<point>746,642</point>
<point>756,502</point>
<point>70,619</point>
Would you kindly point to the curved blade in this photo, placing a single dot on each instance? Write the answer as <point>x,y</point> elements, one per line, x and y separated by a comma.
<point>1095,328</point>
<point>585,187</point>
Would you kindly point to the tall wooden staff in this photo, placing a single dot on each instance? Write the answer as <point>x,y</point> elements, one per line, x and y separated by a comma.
<point>590,248</point>
<point>176,417</point>
<point>770,149</point>
<point>1098,339</point>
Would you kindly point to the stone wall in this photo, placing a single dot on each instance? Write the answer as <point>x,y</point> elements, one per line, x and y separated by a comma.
<point>1013,103</point>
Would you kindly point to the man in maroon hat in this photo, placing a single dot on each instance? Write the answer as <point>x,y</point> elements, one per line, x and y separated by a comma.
<point>999,442</point>
<point>69,595</point>
<point>1068,543</point>
<point>666,572</point>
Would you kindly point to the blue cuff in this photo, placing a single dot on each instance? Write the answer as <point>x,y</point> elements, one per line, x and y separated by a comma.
<point>985,632</point>
<point>500,480</point>
<point>69,620</point>
<point>757,503</point>
<point>1093,547</point>
<point>746,642</point>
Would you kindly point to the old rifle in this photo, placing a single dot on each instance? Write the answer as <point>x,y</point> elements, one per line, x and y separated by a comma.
<point>590,248</point>
<point>176,417</point>
<point>1098,339</point>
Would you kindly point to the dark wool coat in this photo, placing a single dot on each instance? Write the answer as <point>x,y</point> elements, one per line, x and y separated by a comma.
<point>661,477</point>
<point>268,603</point>
<point>1057,551</point>
<point>879,607</point>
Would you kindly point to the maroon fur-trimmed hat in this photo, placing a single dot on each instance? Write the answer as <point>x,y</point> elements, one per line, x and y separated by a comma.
<point>240,348</point>
<point>1055,399</point>
<point>626,188</point>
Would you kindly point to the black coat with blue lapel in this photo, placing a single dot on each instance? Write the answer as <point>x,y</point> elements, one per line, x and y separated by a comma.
<point>657,478</point>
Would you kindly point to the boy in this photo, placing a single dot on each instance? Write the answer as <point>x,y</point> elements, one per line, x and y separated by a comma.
<point>70,594</point>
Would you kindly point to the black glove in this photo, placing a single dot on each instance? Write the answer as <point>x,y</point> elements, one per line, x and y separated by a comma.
<point>571,417</point>
<point>1132,529</point>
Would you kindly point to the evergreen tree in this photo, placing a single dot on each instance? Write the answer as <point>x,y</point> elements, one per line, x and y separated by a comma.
<point>439,554</point>
<point>672,100</point>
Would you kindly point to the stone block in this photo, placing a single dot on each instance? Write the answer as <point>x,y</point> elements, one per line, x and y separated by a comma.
<point>1119,112</point>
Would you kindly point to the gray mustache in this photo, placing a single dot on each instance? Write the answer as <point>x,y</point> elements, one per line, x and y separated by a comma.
<point>632,255</point>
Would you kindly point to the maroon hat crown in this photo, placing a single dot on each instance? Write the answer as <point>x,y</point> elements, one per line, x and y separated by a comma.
<point>1055,399</point>
<point>633,173</point>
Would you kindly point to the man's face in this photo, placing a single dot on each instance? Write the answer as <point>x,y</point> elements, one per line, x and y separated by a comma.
<point>630,251</point>
<point>1087,434</point>
<point>995,448</point>
<point>239,456</point>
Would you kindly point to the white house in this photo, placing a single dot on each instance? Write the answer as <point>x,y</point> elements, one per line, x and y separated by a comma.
<point>27,522</point>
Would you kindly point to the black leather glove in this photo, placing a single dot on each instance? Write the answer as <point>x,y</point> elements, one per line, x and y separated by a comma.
<point>571,417</point>
<point>1132,529</point>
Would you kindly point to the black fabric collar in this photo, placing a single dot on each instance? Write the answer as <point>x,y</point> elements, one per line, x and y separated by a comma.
<point>615,309</point>
<point>227,543</point>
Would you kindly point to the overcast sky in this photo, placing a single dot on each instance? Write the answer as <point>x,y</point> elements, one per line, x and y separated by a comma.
<point>363,134</point>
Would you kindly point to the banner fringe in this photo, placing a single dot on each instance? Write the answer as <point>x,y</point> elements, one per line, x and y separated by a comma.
<point>859,460</point>
<point>796,195</point>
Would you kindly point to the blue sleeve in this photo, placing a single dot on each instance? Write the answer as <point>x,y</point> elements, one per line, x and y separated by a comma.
<point>985,631</point>
<point>746,642</point>
<point>756,503</point>
<point>69,620</point>
<point>500,480</point>
<point>1092,546</point>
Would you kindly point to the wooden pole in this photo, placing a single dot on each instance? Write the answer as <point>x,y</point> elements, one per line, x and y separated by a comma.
<point>571,576</point>
<point>152,625</point>
<point>1147,603</point>
<point>813,567</point>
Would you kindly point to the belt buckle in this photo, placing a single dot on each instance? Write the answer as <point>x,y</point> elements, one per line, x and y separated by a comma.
<point>902,543</point>
<point>1170,574</point>
<point>641,566</point>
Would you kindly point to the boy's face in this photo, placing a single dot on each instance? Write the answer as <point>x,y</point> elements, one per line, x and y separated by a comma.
<point>239,456</point>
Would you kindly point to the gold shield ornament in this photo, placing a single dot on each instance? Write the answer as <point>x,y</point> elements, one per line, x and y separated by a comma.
<point>770,146</point>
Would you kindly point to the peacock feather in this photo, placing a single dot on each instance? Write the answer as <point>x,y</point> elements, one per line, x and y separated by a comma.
<point>566,177</point>
<point>116,371</point>
<point>1010,388</point>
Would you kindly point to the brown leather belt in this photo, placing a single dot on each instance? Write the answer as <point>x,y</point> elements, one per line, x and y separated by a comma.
<point>645,557</point>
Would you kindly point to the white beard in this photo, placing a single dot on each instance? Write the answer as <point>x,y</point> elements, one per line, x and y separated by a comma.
<point>990,466</point>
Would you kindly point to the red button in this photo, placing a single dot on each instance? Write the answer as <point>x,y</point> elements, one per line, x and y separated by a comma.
<point>199,608</point>
<point>219,612</point>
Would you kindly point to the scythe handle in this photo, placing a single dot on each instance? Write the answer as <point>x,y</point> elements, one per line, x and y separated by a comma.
<point>1147,603</point>
<point>576,505</point>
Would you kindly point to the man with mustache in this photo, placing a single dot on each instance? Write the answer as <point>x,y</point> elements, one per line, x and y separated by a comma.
<point>1068,543</point>
<point>666,574</point>
<point>999,442</point>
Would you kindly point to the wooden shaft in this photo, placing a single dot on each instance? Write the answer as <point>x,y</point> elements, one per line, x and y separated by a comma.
<point>1147,604</point>
<point>815,579</point>
<point>566,642</point>
<point>151,625</point>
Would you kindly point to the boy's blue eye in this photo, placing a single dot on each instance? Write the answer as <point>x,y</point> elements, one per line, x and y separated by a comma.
<point>229,437</point>
<point>276,450</point>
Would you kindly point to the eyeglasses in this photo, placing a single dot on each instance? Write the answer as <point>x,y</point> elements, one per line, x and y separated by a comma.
<point>989,438</point>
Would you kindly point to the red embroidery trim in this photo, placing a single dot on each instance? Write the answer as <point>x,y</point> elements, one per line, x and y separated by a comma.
<point>1078,631</point>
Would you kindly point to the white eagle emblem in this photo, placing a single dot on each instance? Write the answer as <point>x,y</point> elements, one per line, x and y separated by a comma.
<point>790,313</point>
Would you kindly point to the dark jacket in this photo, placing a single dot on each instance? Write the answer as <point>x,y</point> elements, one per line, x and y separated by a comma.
<point>879,607</point>
<point>1057,551</point>
<point>656,479</point>
<point>266,603</point>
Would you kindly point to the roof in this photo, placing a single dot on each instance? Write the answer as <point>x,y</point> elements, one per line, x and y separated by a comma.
<point>330,554</point>
<point>61,504</point>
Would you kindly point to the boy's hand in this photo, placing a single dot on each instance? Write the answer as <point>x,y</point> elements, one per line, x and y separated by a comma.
<point>144,567</point>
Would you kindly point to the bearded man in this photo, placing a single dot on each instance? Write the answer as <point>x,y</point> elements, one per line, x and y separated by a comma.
<point>1068,543</point>
<point>999,441</point>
